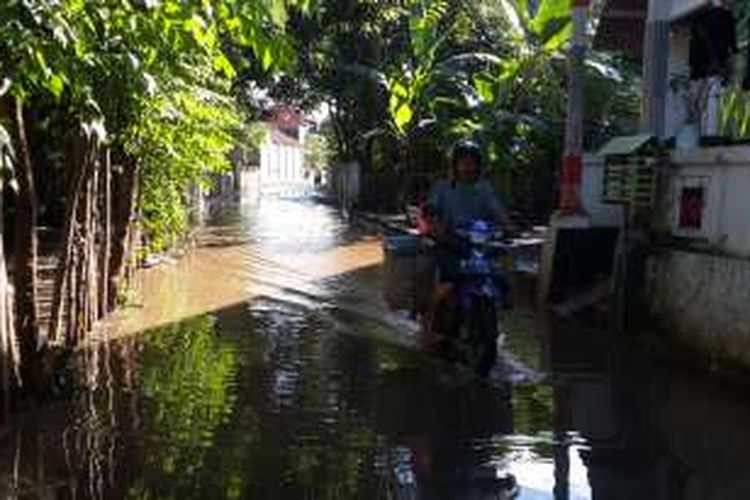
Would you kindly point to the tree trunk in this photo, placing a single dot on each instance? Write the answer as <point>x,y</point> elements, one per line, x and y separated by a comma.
<point>79,293</point>
<point>24,275</point>
<point>123,211</point>
<point>83,295</point>
<point>81,273</point>
<point>82,163</point>
<point>106,233</point>
<point>70,295</point>
<point>339,129</point>
<point>92,233</point>
<point>8,348</point>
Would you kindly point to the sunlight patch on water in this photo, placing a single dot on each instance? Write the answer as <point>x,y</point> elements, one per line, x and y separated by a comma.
<point>293,251</point>
<point>536,477</point>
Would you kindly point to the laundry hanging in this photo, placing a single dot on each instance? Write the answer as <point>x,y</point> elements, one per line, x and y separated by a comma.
<point>713,41</point>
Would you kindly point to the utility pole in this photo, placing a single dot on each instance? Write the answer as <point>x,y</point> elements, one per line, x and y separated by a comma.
<point>570,205</point>
<point>570,213</point>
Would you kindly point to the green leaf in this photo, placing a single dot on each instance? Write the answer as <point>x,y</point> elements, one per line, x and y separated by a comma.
<point>486,87</point>
<point>268,58</point>
<point>394,102</point>
<point>469,58</point>
<point>278,12</point>
<point>41,61</point>
<point>559,36</point>
<point>223,65</point>
<point>514,15</point>
<point>552,23</point>
<point>398,89</point>
<point>56,84</point>
<point>403,116</point>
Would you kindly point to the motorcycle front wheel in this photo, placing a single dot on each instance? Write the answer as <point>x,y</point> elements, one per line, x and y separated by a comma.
<point>483,325</point>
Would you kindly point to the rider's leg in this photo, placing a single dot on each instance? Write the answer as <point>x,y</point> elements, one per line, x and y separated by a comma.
<point>443,294</point>
<point>447,271</point>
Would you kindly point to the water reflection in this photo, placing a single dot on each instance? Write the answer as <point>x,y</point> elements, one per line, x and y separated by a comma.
<point>266,401</point>
<point>278,396</point>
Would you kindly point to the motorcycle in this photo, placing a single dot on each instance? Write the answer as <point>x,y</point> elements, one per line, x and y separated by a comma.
<point>467,324</point>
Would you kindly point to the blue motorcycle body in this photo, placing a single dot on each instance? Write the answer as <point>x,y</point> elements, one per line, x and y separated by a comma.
<point>471,331</point>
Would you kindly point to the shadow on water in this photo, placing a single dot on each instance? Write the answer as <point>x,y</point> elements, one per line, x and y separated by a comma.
<point>315,392</point>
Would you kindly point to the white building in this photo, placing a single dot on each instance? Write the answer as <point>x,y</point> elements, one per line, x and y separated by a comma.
<point>282,156</point>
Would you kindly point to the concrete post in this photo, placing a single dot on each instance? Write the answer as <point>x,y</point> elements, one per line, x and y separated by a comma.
<point>570,212</point>
<point>571,173</point>
<point>656,68</point>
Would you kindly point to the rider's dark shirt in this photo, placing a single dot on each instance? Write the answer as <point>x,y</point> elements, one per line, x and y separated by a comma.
<point>458,203</point>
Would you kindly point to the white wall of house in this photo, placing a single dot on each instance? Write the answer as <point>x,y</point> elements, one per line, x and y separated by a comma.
<point>724,175</point>
<point>282,169</point>
<point>701,291</point>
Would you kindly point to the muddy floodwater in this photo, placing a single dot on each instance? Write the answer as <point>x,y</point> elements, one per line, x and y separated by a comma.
<point>265,365</point>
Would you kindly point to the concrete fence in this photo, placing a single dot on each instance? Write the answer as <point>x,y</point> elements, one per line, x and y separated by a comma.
<point>698,285</point>
<point>704,299</point>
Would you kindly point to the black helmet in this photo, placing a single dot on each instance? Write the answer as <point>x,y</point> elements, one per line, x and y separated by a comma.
<point>467,149</point>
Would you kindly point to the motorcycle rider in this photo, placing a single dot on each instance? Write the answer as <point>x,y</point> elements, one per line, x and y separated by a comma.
<point>464,197</point>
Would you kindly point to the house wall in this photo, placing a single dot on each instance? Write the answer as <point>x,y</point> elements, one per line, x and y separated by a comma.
<point>724,175</point>
<point>282,170</point>
<point>699,288</point>
<point>704,299</point>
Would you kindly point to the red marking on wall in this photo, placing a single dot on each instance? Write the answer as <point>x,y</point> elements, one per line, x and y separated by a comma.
<point>691,208</point>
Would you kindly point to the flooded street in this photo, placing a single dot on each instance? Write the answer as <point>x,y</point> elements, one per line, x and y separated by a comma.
<point>270,368</point>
